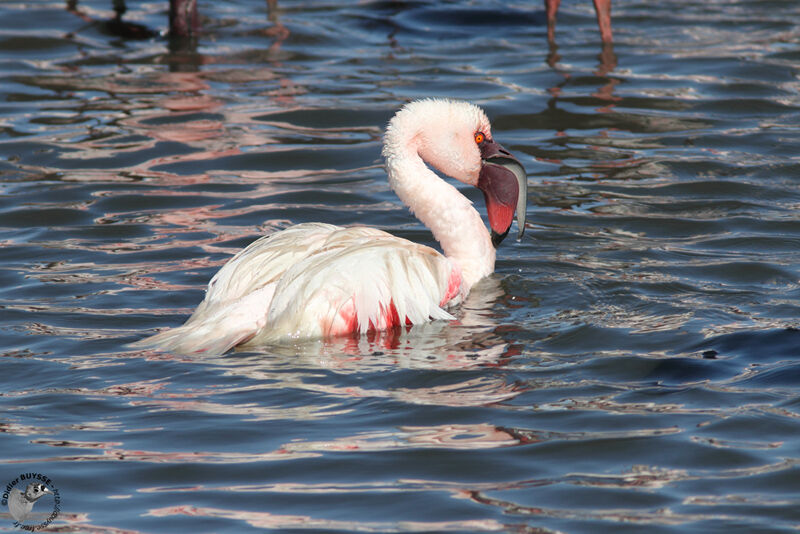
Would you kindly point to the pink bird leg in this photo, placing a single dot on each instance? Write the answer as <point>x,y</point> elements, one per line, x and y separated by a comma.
<point>602,7</point>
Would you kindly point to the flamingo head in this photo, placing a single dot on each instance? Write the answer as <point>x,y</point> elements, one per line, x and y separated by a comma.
<point>456,138</point>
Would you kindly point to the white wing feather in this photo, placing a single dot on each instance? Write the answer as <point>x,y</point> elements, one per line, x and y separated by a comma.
<point>363,280</point>
<point>262,263</point>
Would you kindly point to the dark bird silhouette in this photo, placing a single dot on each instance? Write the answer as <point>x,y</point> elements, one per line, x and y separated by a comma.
<point>183,20</point>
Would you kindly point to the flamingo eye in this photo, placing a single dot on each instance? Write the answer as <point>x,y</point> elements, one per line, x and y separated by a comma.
<point>479,138</point>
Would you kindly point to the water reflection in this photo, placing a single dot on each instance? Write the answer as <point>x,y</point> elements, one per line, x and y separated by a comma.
<point>607,62</point>
<point>280,521</point>
<point>115,26</point>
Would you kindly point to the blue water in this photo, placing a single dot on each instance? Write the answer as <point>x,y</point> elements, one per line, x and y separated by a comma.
<point>632,365</point>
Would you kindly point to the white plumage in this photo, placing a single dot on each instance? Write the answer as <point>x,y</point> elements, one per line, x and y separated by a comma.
<point>318,280</point>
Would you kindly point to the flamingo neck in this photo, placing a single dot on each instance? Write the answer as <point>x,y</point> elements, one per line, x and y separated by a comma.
<point>455,224</point>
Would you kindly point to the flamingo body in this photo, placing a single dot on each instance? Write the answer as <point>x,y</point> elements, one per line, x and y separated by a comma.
<point>317,280</point>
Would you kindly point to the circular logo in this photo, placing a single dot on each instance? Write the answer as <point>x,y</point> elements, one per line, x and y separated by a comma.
<point>32,500</point>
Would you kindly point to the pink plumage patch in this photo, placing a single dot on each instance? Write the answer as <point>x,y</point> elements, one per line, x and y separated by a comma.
<point>453,286</point>
<point>346,320</point>
<point>390,317</point>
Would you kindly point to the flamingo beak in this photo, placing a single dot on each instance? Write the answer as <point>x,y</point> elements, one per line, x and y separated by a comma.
<point>505,188</point>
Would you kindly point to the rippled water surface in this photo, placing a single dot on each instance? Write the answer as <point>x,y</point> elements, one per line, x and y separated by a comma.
<point>632,365</point>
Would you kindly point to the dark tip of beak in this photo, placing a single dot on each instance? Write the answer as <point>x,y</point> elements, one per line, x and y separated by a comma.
<point>498,238</point>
